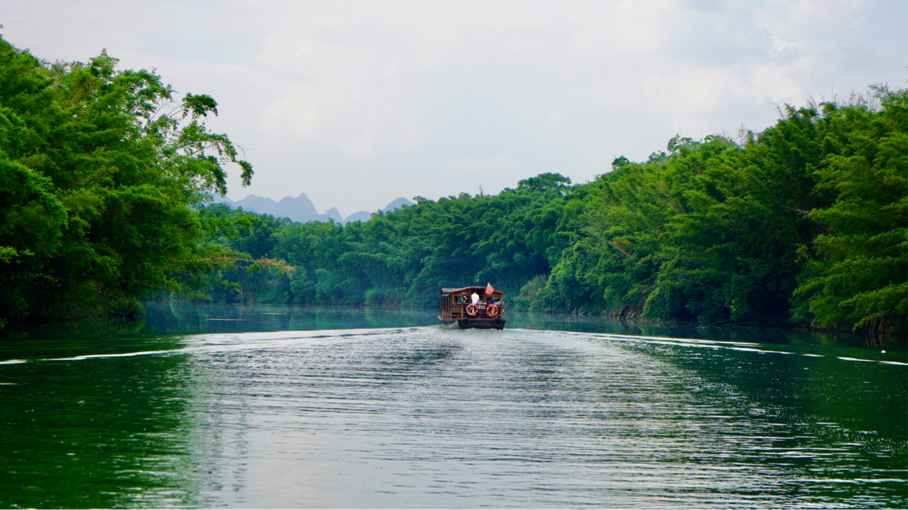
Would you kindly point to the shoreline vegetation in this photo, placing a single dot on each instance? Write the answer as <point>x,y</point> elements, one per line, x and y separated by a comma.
<point>108,182</point>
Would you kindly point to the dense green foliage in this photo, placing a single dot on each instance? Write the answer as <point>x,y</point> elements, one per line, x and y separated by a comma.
<point>858,274</point>
<point>803,223</point>
<point>768,230</point>
<point>105,177</point>
<point>100,170</point>
<point>405,256</point>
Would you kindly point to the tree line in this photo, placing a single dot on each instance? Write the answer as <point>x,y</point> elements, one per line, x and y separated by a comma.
<point>107,177</point>
<point>803,223</point>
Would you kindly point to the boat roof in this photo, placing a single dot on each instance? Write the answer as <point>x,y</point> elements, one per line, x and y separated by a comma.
<point>452,290</point>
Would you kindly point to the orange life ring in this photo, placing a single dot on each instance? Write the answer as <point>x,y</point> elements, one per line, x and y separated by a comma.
<point>472,309</point>
<point>492,310</point>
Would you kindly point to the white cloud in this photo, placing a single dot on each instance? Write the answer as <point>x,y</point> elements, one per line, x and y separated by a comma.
<point>358,102</point>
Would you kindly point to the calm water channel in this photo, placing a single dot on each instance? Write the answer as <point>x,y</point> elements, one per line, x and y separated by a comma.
<point>276,406</point>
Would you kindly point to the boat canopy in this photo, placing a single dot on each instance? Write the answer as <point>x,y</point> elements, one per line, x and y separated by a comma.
<point>468,290</point>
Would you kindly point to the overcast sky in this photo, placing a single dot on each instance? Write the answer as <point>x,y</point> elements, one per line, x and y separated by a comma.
<point>358,103</point>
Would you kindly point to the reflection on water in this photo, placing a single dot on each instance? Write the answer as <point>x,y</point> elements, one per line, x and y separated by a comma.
<point>378,411</point>
<point>183,318</point>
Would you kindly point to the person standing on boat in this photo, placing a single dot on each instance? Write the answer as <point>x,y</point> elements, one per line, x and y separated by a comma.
<point>475,298</point>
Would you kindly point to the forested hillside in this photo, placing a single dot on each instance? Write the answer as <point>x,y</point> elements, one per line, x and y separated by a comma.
<point>804,223</point>
<point>405,256</point>
<point>106,176</point>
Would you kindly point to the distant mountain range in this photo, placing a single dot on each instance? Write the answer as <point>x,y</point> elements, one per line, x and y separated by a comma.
<point>301,208</point>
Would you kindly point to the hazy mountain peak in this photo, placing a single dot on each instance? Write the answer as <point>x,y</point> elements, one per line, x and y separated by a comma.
<point>358,216</point>
<point>301,208</point>
<point>397,204</point>
<point>335,215</point>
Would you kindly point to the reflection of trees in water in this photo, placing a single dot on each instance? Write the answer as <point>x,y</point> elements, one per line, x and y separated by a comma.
<point>95,433</point>
<point>181,317</point>
<point>815,405</point>
<point>878,340</point>
<point>107,326</point>
<point>780,336</point>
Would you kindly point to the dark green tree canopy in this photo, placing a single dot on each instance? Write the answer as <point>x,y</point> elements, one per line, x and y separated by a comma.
<point>101,169</point>
<point>543,182</point>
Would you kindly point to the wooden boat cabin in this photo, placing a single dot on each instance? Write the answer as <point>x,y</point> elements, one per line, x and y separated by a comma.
<point>457,306</point>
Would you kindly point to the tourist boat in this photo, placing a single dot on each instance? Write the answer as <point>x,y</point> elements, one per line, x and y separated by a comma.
<point>457,306</point>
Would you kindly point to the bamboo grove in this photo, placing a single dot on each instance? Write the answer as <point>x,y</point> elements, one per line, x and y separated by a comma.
<point>100,172</point>
<point>804,223</point>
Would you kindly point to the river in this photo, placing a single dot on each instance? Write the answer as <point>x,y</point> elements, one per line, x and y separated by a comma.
<point>280,406</point>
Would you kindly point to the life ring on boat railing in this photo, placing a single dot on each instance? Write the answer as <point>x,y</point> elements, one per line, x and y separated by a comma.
<point>472,309</point>
<point>492,310</point>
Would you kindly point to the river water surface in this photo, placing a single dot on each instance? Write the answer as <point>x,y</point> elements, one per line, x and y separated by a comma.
<point>301,407</point>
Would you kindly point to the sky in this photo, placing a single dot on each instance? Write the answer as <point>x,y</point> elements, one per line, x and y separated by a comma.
<point>356,103</point>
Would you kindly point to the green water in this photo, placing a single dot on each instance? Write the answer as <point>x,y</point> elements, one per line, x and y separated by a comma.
<point>277,406</point>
